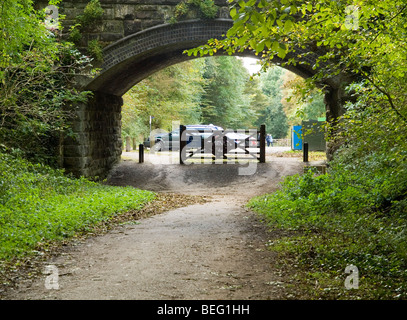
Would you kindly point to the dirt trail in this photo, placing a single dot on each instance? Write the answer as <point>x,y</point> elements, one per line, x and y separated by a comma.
<point>214,250</point>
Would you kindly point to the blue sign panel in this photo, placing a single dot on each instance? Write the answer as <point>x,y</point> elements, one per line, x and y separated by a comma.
<point>296,138</point>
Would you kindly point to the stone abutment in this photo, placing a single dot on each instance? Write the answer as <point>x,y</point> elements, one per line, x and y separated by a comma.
<point>95,145</point>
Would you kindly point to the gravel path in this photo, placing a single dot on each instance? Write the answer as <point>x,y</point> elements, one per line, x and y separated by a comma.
<point>211,250</point>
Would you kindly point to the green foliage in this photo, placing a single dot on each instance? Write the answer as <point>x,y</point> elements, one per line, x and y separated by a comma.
<point>300,101</point>
<point>356,214</point>
<point>206,9</point>
<point>91,16</point>
<point>36,86</point>
<point>75,34</point>
<point>273,116</point>
<point>224,102</point>
<point>172,94</point>
<point>181,9</point>
<point>21,27</point>
<point>367,39</point>
<point>214,90</point>
<point>95,50</point>
<point>39,205</point>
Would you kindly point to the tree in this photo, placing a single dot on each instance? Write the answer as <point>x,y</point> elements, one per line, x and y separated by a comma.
<point>223,102</point>
<point>172,94</point>
<point>273,115</point>
<point>213,90</point>
<point>364,38</point>
<point>20,26</point>
<point>299,102</point>
<point>258,103</point>
<point>36,88</point>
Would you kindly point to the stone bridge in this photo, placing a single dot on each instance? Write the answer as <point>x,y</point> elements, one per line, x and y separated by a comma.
<point>140,38</point>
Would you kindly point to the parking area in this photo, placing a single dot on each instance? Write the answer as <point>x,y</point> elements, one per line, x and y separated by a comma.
<point>242,179</point>
<point>172,157</point>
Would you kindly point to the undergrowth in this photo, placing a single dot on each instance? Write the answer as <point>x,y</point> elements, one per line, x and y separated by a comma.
<point>39,204</point>
<point>356,214</point>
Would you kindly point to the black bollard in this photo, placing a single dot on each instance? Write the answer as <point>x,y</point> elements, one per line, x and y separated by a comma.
<point>305,151</point>
<point>140,153</point>
<point>262,143</point>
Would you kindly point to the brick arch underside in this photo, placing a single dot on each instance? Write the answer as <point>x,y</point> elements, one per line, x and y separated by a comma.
<point>137,56</point>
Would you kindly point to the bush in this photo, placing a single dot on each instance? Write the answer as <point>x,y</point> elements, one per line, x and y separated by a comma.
<point>206,9</point>
<point>92,14</point>
<point>75,34</point>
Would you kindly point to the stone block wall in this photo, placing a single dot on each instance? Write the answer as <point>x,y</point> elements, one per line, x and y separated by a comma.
<point>96,144</point>
<point>125,17</point>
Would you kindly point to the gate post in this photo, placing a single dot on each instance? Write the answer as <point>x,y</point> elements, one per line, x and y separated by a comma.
<point>225,147</point>
<point>213,148</point>
<point>262,143</point>
<point>182,144</point>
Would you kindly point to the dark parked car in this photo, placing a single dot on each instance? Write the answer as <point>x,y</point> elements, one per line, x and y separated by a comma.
<point>195,133</point>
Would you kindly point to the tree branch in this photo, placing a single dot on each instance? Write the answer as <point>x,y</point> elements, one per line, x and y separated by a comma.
<point>388,96</point>
<point>391,19</point>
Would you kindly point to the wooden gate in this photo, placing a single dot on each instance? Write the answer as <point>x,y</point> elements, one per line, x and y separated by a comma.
<point>228,145</point>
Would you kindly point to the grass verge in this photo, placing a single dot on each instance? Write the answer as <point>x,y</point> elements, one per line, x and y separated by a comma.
<point>335,220</point>
<point>312,155</point>
<point>39,205</point>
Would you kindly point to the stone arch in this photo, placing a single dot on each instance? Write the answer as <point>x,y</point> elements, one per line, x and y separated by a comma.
<point>97,144</point>
<point>135,57</point>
